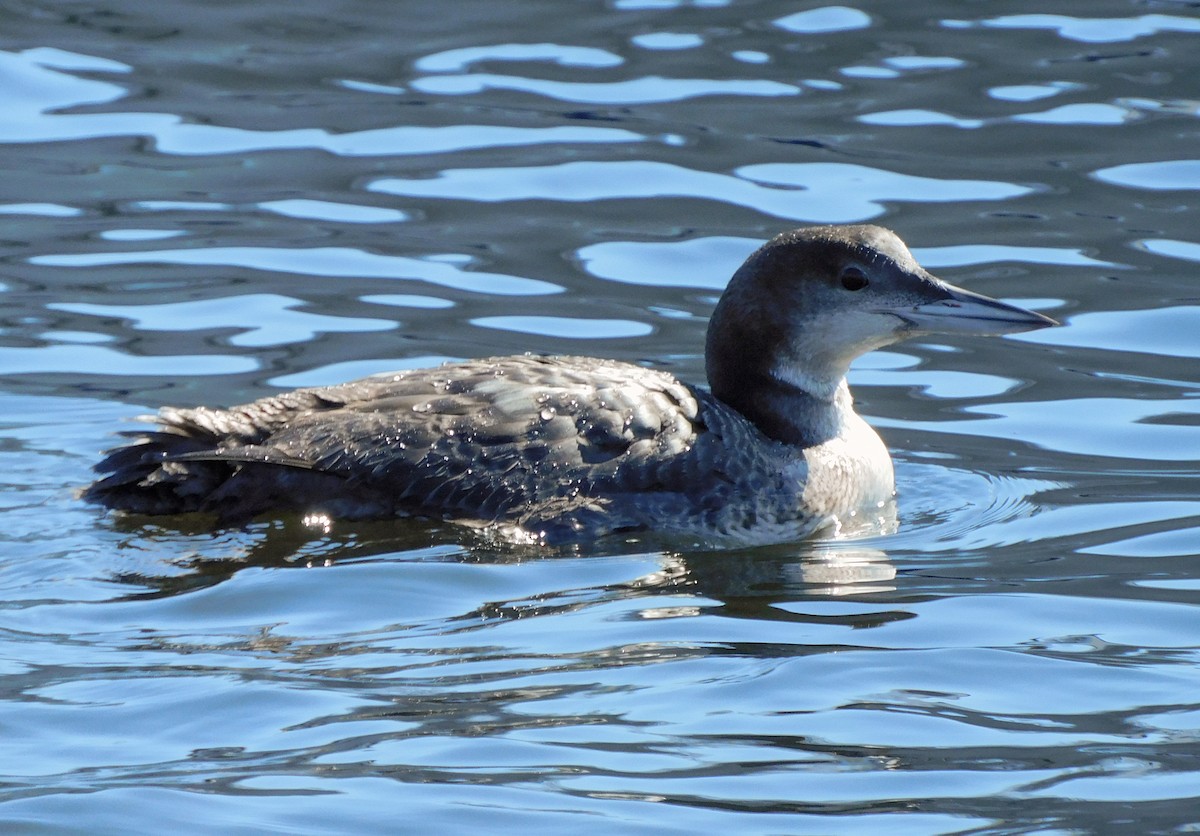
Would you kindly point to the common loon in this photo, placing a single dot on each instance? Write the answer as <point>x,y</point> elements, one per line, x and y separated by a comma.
<point>557,449</point>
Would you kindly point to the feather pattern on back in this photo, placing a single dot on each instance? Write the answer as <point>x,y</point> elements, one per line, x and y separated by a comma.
<point>555,447</point>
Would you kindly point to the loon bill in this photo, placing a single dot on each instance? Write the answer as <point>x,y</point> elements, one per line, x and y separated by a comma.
<point>560,449</point>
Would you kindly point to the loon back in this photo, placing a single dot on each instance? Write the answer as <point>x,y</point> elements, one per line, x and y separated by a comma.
<point>545,448</point>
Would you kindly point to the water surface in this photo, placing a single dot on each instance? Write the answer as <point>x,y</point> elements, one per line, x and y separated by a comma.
<point>207,203</point>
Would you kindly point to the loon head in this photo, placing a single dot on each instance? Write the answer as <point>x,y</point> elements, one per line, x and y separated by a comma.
<point>809,301</point>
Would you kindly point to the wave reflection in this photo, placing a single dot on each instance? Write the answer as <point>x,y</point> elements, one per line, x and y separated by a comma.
<point>797,191</point>
<point>36,93</point>
<point>321,261</point>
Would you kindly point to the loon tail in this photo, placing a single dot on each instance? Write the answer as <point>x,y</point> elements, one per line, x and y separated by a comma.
<point>143,477</point>
<point>179,467</point>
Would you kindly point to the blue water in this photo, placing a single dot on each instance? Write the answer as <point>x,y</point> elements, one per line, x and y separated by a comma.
<point>205,203</point>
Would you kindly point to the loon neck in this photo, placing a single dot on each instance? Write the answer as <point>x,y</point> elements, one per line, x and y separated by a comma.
<point>788,410</point>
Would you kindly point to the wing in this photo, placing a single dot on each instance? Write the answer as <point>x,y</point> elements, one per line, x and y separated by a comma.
<point>532,441</point>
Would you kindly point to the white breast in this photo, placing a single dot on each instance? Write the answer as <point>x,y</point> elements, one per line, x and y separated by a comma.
<point>850,472</point>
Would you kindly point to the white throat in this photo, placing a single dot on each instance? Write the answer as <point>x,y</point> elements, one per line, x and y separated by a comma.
<point>820,387</point>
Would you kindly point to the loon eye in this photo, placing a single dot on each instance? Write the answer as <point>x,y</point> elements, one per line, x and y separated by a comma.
<point>854,279</point>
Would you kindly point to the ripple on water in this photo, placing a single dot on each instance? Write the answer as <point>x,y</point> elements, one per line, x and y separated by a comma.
<point>321,261</point>
<point>1168,332</point>
<point>98,360</point>
<point>45,210</point>
<point>564,55</point>
<point>823,20</point>
<point>896,66</point>
<point>1081,113</point>
<point>1166,175</point>
<point>334,373</point>
<point>377,142</point>
<point>919,117</point>
<point>328,211</point>
<point>1104,428</point>
<point>961,255</point>
<point>1031,92</point>
<point>1181,539</point>
<point>141,234</point>
<point>1093,30</point>
<point>667,40</point>
<point>797,191</point>
<point>37,94</point>
<point>567,327</point>
<point>324,210</point>
<point>264,318</point>
<point>698,262</point>
<point>644,90</point>
<point>708,262</point>
<point>945,508</point>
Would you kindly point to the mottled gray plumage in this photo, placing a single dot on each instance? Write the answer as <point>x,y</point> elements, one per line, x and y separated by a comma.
<point>560,445</point>
<point>551,449</point>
